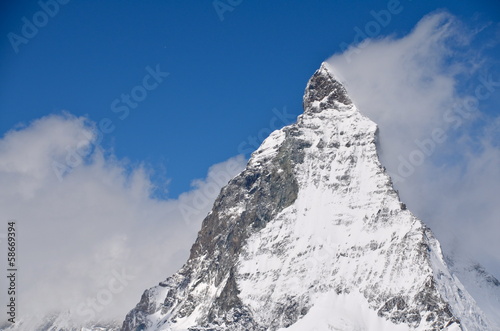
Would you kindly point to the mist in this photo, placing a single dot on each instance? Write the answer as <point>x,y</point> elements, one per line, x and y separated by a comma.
<point>91,238</point>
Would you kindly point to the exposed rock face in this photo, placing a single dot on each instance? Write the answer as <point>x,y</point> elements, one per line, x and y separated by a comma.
<point>312,220</point>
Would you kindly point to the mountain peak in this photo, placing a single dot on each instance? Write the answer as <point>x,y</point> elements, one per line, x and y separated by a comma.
<point>323,90</point>
<point>312,235</point>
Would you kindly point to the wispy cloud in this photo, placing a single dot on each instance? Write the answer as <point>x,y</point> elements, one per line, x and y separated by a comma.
<point>428,92</point>
<point>91,243</point>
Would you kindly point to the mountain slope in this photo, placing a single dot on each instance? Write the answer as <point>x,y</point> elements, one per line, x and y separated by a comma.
<point>312,235</point>
<point>482,286</point>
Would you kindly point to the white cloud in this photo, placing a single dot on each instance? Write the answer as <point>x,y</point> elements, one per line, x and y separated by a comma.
<point>97,234</point>
<point>413,88</point>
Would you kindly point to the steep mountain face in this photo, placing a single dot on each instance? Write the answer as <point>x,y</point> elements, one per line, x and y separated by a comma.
<point>484,287</point>
<point>312,236</point>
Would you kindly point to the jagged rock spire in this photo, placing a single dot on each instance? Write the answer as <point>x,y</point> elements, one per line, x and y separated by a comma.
<point>323,90</point>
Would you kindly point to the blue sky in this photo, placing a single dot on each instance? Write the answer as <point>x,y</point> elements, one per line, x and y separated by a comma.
<point>178,90</point>
<point>225,77</point>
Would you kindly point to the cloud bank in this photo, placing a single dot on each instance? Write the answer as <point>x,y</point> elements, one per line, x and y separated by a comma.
<point>428,92</point>
<point>90,242</point>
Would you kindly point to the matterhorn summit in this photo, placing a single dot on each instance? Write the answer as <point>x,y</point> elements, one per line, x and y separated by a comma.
<point>313,236</point>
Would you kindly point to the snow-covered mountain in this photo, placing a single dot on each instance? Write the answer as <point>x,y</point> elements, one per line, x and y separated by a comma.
<point>313,236</point>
